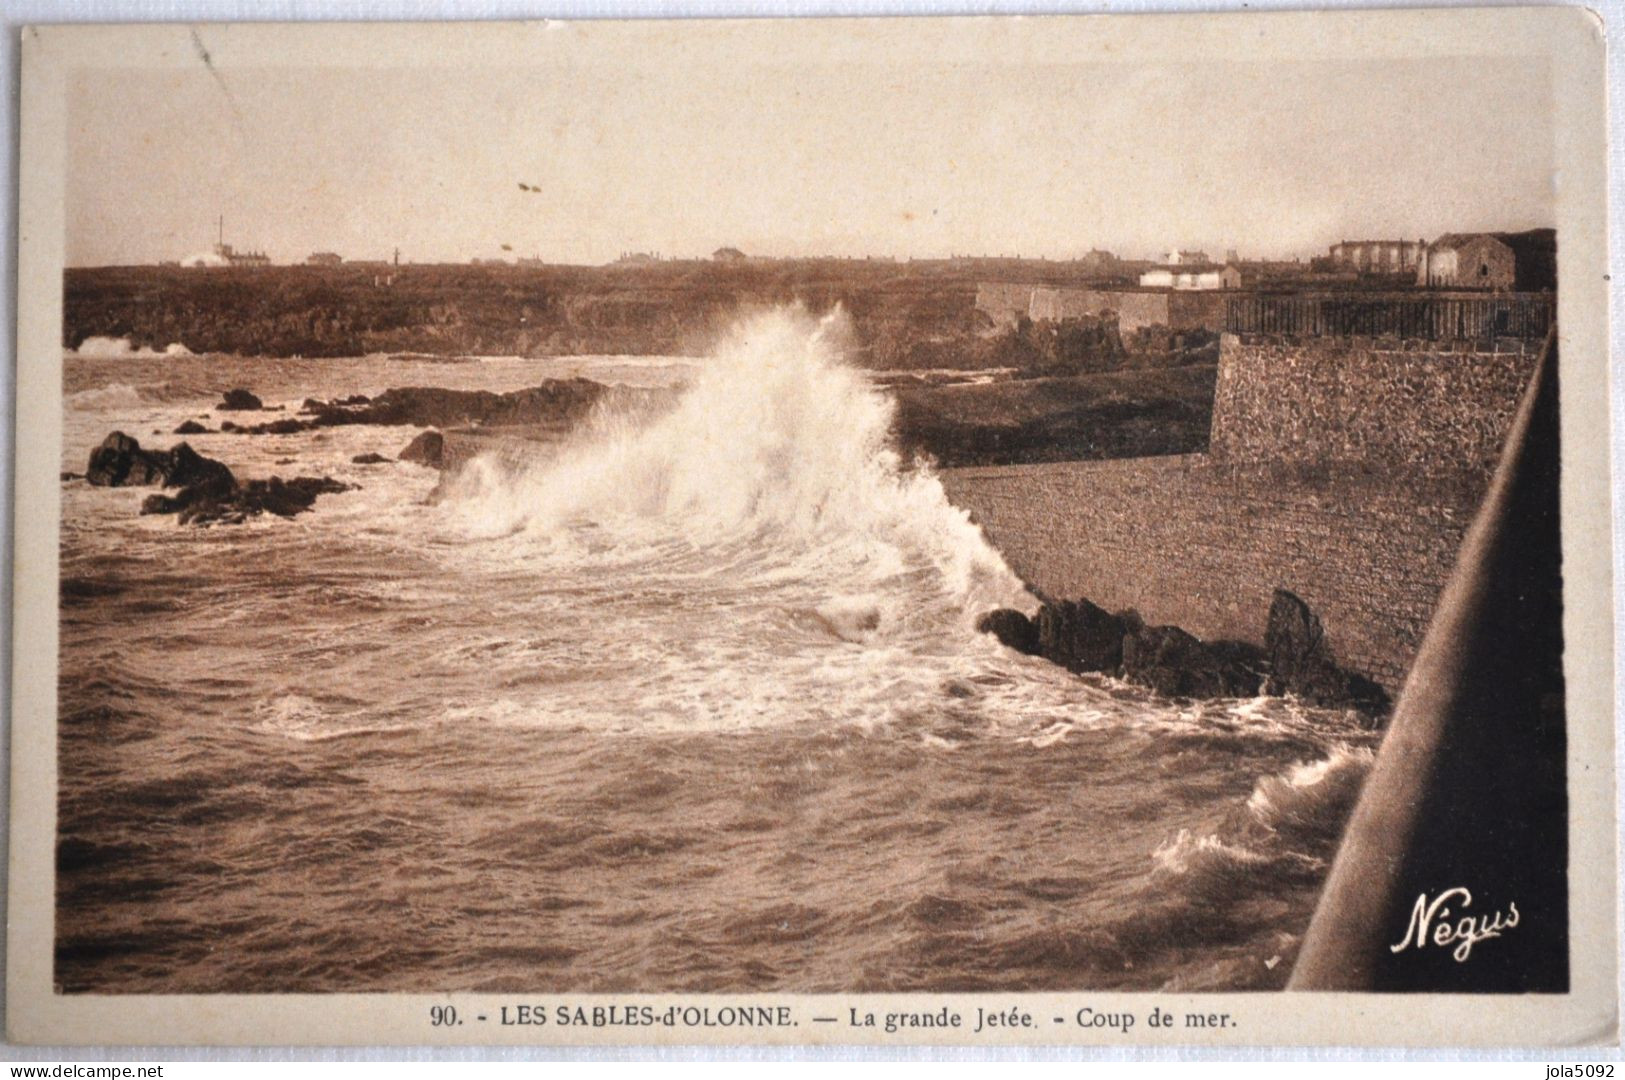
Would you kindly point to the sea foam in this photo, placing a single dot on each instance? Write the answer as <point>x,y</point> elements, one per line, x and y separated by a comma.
<point>779,451</point>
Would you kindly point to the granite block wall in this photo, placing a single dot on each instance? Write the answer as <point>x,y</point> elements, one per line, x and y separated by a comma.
<point>1345,470</point>
<point>1415,407</point>
<point>1202,545</point>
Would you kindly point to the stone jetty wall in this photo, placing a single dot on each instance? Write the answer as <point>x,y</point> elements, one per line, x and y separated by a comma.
<point>1191,543</point>
<point>1346,471</point>
<point>1414,407</point>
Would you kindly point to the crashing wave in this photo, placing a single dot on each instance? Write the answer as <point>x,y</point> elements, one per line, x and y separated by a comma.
<point>111,348</point>
<point>777,449</point>
<point>1312,800</point>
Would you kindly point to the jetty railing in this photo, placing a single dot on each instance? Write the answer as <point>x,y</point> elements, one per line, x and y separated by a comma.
<point>1466,805</point>
<point>1417,316</point>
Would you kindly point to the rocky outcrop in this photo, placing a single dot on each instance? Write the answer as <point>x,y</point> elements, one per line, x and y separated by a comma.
<point>1080,636</point>
<point>1296,661</point>
<point>201,505</point>
<point>120,461</point>
<point>1177,664</point>
<point>1013,629</point>
<point>208,491</point>
<point>192,427</point>
<point>1301,662</point>
<point>429,448</point>
<point>371,459</point>
<point>557,403</point>
<point>315,405</point>
<point>272,427</point>
<point>240,401</point>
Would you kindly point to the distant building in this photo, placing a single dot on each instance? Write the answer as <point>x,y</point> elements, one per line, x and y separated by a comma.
<point>226,255</point>
<point>233,257</point>
<point>324,258</point>
<point>728,254</point>
<point>1189,258</point>
<point>637,258</point>
<point>1522,262</point>
<point>1377,256</point>
<point>1184,276</point>
<point>1264,273</point>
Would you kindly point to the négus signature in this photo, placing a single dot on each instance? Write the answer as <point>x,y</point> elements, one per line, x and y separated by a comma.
<point>1464,932</point>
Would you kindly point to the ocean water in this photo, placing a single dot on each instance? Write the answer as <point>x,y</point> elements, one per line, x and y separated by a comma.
<point>693,703</point>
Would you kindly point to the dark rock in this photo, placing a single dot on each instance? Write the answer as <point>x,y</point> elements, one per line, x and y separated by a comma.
<point>284,461</point>
<point>1294,641</point>
<point>286,498</point>
<point>208,492</point>
<point>429,448</point>
<point>192,427</point>
<point>190,469</point>
<point>119,461</point>
<point>1013,628</point>
<point>288,426</point>
<point>159,503</point>
<point>371,459</point>
<point>1301,662</point>
<point>1080,636</point>
<point>202,504</point>
<point>1176,664</point>
<point>240,401</point>
<point>557,403</point>
<point>315,405</point>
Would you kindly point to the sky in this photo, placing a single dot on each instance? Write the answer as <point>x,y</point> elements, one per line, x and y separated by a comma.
<point>794,158</point>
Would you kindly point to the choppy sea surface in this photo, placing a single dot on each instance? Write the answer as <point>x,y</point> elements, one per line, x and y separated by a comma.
<point>695,703</point>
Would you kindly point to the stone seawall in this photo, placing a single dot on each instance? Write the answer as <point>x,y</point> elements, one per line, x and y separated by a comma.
<point>1417,407</point>
<point>1188,541</point>
<point>1346,470</point>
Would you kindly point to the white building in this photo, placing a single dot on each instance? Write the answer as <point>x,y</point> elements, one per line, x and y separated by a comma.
<point>1183,277</point>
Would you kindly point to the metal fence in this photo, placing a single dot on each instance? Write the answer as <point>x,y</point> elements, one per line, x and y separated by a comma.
<point>1427,317</point>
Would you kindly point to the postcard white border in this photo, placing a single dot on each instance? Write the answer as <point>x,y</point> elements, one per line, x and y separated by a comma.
<point>1586,1015</point>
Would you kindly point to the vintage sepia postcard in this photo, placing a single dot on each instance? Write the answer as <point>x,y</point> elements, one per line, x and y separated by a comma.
<point>977,531</point>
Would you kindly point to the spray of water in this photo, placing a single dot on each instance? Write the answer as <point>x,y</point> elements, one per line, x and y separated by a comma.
<point>778,455</point>
<point>109,348</point>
